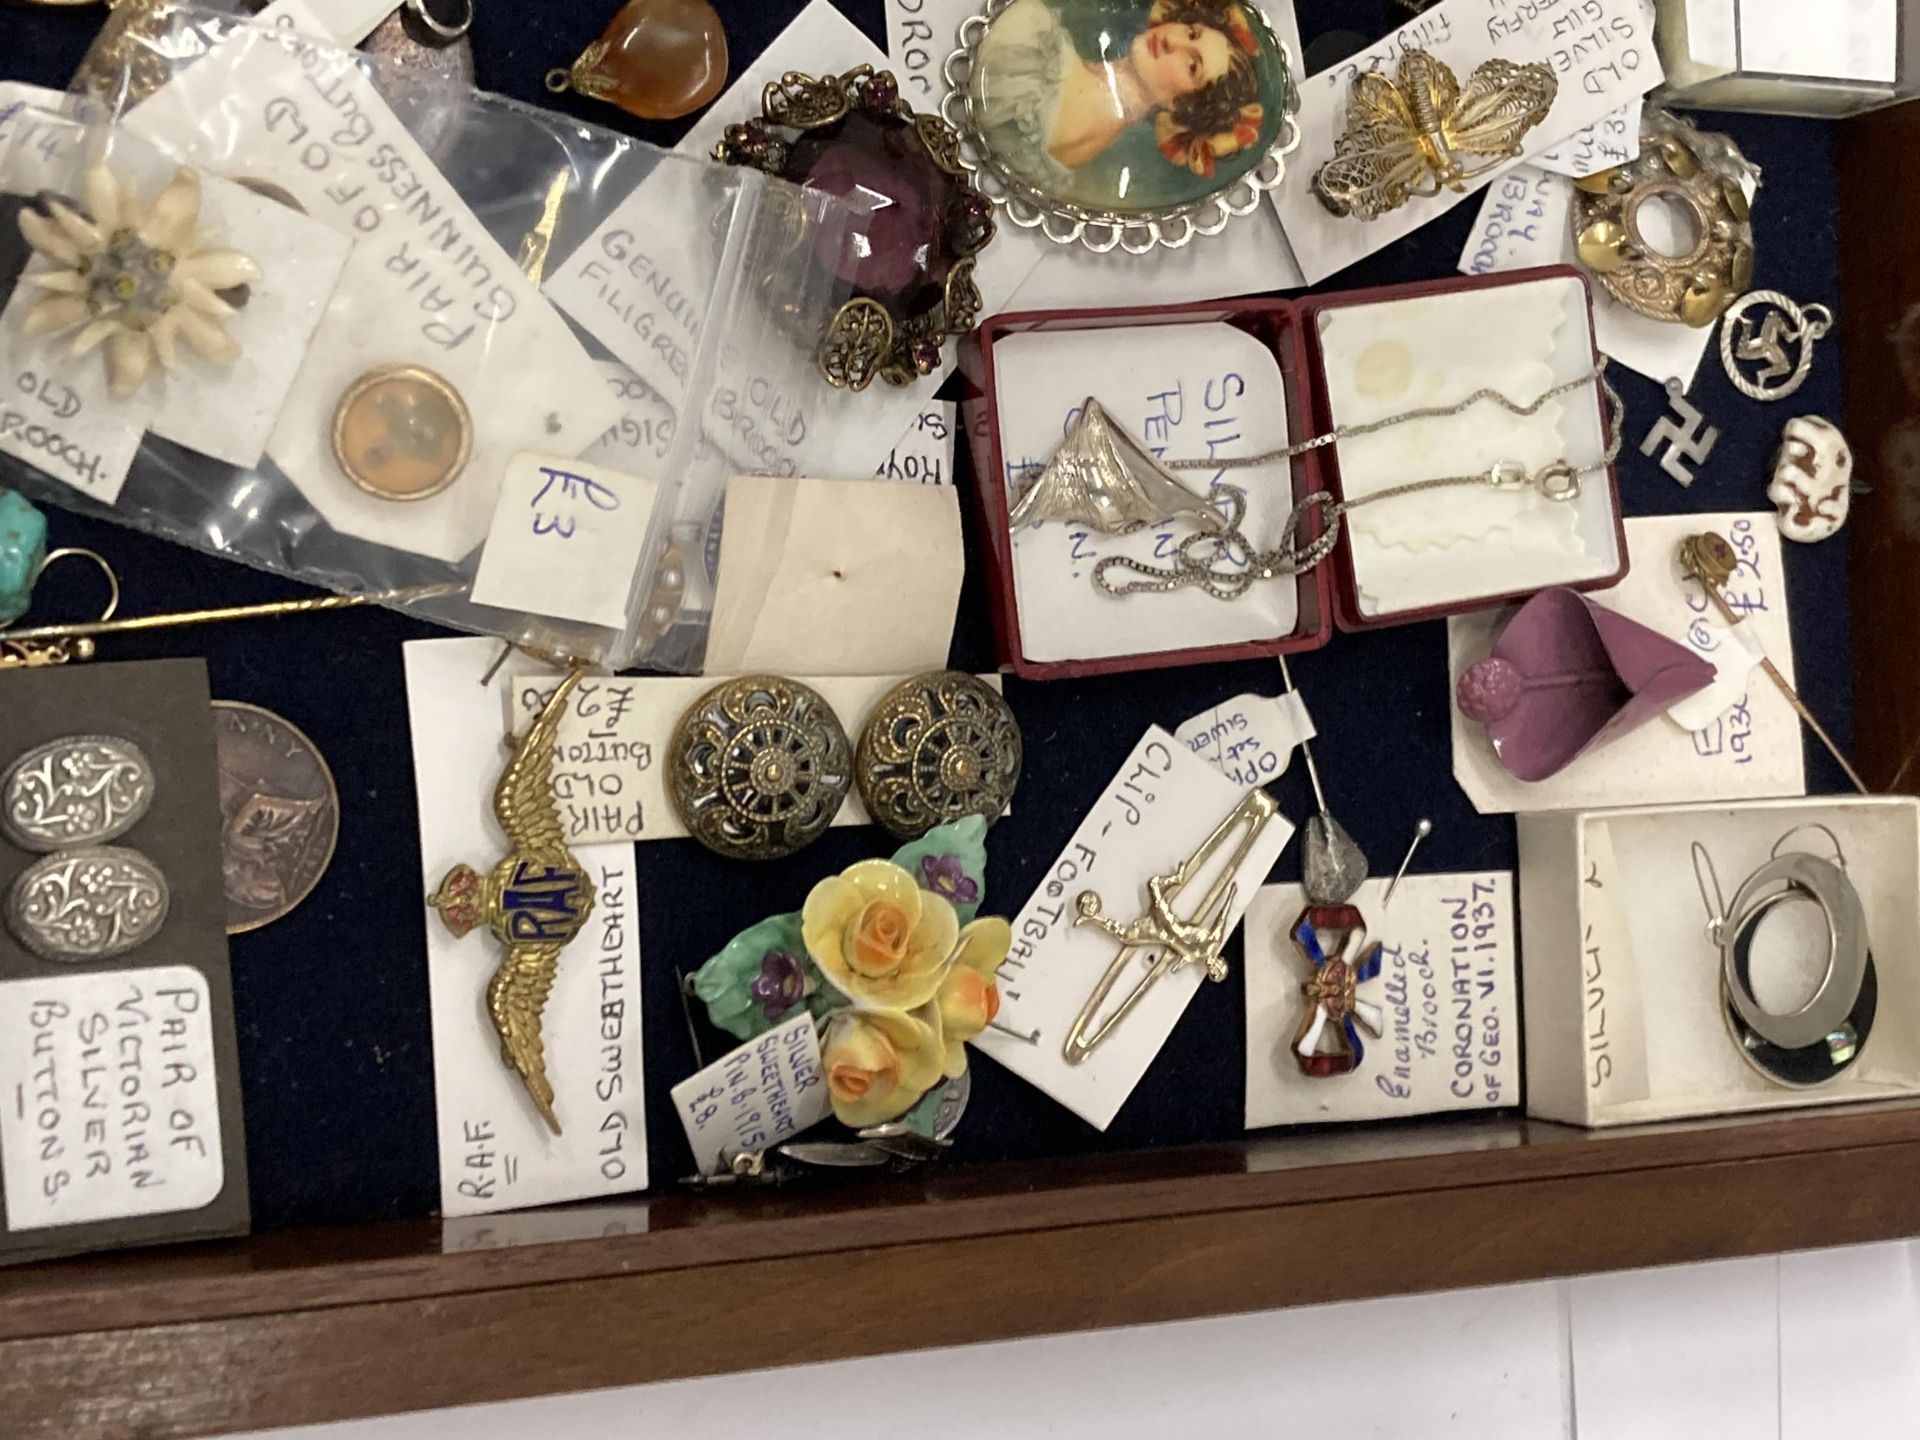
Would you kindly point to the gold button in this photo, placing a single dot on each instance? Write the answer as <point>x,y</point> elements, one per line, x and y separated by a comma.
<point>758,767</point>
<point>402,432</point>
<point>937,748</point>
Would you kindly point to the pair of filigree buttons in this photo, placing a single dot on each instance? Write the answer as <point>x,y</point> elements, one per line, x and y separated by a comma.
<point>85,899</point>
<point>759,766</point>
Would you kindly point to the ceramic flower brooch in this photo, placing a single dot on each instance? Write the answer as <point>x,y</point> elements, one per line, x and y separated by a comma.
<point>135,279</point>
<point>894,962</point>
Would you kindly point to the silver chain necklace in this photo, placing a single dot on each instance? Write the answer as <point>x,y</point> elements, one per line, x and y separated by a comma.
<point>1233,564</point>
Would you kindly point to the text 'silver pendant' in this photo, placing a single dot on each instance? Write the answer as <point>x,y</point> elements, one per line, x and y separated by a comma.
<point>534,901</point>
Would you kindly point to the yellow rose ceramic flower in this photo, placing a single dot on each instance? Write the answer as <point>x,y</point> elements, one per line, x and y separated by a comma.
<point>969,998</point>
<point>880,1062</point>
<point>880,939</point>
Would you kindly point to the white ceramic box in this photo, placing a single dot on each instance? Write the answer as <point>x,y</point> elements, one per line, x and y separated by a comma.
<point>1621,994</point>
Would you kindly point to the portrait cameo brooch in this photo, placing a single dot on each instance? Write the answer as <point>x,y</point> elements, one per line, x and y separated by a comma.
<point>909,264</point>
<point>1114,125</point>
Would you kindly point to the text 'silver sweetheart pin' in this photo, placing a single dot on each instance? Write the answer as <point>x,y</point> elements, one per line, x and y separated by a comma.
<point>535,900</point>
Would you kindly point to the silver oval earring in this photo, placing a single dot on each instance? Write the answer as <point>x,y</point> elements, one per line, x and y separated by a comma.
<point>1821,1038</point>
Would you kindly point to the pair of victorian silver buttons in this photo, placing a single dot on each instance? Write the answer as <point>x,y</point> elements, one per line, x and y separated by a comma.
<point>85,898</point>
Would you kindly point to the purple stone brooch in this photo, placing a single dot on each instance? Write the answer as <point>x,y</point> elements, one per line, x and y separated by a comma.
<point>909,260</point>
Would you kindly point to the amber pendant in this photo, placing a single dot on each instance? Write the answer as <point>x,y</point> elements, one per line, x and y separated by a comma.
<point>657,59</point>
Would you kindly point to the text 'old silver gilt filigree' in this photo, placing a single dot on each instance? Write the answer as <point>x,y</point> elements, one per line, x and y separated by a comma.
<point>78,790</point>
<point>87,904</point>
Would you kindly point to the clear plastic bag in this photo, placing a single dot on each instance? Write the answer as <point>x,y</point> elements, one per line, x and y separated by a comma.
<point>399,222</point>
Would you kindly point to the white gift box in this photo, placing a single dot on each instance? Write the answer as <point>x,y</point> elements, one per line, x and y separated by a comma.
<point>1621,995</point>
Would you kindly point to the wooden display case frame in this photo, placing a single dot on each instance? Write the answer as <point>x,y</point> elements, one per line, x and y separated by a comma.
<point>330,1324</point>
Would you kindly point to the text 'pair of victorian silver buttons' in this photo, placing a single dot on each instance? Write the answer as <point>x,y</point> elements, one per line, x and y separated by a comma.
<point>85,898</point>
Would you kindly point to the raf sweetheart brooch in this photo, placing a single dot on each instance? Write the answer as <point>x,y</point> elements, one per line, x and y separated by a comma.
<point>534,901</point>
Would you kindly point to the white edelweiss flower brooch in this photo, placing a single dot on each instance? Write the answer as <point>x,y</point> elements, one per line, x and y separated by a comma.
<point>138,280</point>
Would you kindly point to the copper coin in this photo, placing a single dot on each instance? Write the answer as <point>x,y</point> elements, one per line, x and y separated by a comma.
<point>280,814</point>
<point>402,432</point>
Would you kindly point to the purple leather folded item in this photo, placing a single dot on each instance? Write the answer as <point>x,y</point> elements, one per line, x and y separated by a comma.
<point>1567,676</point>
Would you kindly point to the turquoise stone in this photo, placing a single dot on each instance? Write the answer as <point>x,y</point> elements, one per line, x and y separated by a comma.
<point>23,550</point>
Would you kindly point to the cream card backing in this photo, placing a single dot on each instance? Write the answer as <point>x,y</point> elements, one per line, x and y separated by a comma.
<point>495,1151</point>
<point>835,577</point>
<point>1153,815</point>
<point>1449,544</point>
<point>1206,391</point>
<point>1446,990</point>
<point>1753,749</point>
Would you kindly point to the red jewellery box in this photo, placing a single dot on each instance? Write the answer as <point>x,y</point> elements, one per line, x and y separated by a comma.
<point>1328,596</point>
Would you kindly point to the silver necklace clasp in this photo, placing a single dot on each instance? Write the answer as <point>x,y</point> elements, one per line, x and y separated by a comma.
<point>1558,481</point>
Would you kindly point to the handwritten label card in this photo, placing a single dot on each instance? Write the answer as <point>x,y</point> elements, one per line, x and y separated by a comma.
<point>920,36</point>
<point>109,1106</point>
<point>345,22</point>
<point>1152,816</point>
<point>759,1094</point>
<point>495,1151</point>
<point>565,540</point>
<point>1249,739</point>
<point>1601,53</point>
<point>1523,224</point>
<point>1446,992</point>
<point>57,412</point>
<point>425,284</point>
<point>608,774</point>
<point>1205,391</point>
<point>1615,1029</point>
<point>32,152</point>
<point>924,455</point>
<point>1753,749</point>
<point>639,440</point>
<point>1606,144</point>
